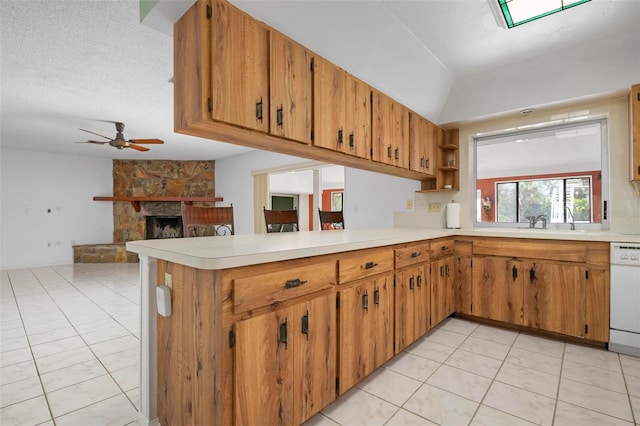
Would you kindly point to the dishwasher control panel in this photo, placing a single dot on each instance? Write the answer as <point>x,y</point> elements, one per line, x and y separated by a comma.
<point>625,254</point>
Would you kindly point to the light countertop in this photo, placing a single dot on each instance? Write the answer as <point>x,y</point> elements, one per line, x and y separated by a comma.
<point>250,249</point>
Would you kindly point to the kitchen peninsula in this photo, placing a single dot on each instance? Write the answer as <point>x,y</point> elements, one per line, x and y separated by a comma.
<point>272,327</point>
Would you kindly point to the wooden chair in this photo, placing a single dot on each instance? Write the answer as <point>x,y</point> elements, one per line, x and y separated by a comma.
<point>281,220</point>
<point>331,220</point>
<point>207,221</point>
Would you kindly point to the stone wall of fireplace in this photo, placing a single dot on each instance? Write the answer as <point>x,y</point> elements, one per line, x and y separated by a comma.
<point>170,178</point>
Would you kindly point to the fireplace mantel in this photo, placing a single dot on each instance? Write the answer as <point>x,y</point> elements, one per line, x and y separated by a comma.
<point>135,201</point>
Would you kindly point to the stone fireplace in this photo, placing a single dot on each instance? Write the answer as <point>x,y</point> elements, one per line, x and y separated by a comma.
<point>155,219</point>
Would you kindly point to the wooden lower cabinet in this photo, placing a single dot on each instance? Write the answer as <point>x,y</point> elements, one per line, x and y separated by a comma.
<point>285,363</point>
<point>412,293</point>
<point>497,289</point>
<point>443,293</point>
<point>552,297</point>
<point>365,324</point>
<point>595,301</point>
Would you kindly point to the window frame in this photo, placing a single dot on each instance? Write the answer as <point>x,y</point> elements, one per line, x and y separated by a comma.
<point>536,129</point>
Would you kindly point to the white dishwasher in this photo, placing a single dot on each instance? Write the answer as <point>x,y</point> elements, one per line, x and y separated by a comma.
<point>624,334</point>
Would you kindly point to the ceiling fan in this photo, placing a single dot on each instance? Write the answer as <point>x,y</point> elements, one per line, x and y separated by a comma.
<point>120,142</point>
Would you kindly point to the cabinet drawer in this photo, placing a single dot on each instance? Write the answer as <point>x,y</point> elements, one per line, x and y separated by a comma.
<point>282,284</point>
<point>409,254</point>
<point>568,251</point>
<point>442,247</point>
<point>364,263</point>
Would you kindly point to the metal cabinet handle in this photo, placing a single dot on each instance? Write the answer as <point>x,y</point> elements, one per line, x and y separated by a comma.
<point>370,265</point>
<point>259,110</point>
<point>397,153</point>
<point>376,296</point>
<point>283,333</point>
<point>294,283</point>
<point>423,162</point>
<point>415,254</point>
<point>352,140</point>
<point>340,136</point>
<point>279,116</point>
<point>389,151</point>
<point>411,283</point>
<point>532,274</point>
<point>446,269</point>
<point>514,273</point>
<point>419,281</point>
<point>305,324</point>
<point>365,301</point>
<point>442,271</point>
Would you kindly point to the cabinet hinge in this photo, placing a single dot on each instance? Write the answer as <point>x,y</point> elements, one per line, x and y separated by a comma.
<point>232,339</point>
<point>210,104</point>
<point>586,274</point>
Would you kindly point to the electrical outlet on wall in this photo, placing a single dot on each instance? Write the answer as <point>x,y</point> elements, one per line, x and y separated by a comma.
<point>168,280</point>
<point>409,204</point>
<point>435,207</point>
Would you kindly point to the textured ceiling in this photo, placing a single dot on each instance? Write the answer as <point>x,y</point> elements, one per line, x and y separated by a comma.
<point>66,64</point>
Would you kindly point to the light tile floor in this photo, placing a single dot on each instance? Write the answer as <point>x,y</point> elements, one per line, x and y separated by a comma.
<point>69,356</point>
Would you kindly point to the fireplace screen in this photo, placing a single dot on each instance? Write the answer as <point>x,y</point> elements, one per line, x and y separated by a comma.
<point>160,227</point>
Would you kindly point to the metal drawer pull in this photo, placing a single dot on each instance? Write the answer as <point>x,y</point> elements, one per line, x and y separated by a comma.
<point>305,325</point>
<point>415,254</point>
<point>283,333</point>
<point>370,265</point>
<point>294,283</point>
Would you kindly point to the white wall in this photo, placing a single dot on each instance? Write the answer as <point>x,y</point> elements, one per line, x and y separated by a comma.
<point>597,68</point>
<point>32,182</point>
<point>370,198</point>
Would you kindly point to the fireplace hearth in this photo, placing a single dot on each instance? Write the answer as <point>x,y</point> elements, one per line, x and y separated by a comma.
<point>161,227</point>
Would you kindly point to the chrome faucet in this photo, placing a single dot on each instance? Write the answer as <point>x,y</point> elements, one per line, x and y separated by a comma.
<point>534,219</point>
<point>573,224</point>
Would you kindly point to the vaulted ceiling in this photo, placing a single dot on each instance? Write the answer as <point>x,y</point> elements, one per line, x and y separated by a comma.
<point>65,65</point>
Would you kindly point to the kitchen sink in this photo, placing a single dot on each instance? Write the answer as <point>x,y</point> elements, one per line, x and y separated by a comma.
<point>532,231</point>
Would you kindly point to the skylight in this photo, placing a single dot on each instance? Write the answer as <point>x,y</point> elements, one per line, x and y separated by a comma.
<point>518,12</point>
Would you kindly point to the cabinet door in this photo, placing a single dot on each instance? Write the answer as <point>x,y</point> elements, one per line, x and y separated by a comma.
<point>422,145</point>
<point>635,131</point>
<point>552,299</point>
<point>438,291</point>
<point>497,289</point>
<point>381,306</point>
<point>595,293</point>
<point>291,87</point>
<point>355,352</point>
<point>405,294</point>
<point>314,373</point>
<point>358,118</point>
<point>390,131</point>
<point>464,285</point>
<point>421,299</point>
<point>329,105</point>
<point>450,268</point>
<point>239,68</point>
<point>264,369</point>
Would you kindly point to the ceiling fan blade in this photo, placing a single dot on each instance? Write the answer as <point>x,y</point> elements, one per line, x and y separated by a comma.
<point>147,141</point>
<point>96,142</point>
<point>97,134</point>
<point>139,148</point>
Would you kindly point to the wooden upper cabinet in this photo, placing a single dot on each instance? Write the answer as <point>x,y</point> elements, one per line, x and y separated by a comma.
<point>329,100</point>
<point>422,145</point>
<point>390,131</point>
<point>291,89</point>
<point>635,131</point>
<point>358,118</point>
<point>239,68</point>
<point>342,110</point>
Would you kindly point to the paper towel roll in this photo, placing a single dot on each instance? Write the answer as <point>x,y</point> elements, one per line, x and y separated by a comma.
<point>453,215</point>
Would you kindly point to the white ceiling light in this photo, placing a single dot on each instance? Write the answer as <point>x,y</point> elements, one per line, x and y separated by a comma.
<point>511,13</point>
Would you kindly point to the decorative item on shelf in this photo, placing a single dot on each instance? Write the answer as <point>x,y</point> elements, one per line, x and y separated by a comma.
<point>451,160</point>
<point>486,206</point>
